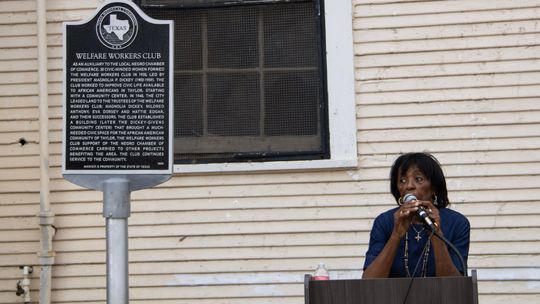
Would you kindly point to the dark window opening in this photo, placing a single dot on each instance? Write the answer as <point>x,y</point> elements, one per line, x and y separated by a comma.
<point>249,82</point>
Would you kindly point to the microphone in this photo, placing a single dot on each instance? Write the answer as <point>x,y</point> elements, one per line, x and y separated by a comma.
<point>421,211</point>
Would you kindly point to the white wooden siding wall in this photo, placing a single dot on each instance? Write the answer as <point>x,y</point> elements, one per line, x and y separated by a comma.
<point>455,78</point>
<point>460,79</point>
<point>19,165</point>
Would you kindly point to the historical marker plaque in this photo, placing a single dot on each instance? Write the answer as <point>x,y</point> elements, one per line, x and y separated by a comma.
<point>118,93</point>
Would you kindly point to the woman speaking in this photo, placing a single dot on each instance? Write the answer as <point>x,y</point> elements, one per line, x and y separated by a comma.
<point>400,243</point>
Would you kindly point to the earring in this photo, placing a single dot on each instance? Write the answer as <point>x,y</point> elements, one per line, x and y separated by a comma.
<point>435,201</point>
<point>400,201</point>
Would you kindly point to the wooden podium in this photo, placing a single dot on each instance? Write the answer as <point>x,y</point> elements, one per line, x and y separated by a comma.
<point>436,290</point>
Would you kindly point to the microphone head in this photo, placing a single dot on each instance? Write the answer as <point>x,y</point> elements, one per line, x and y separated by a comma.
<point>409,197</point>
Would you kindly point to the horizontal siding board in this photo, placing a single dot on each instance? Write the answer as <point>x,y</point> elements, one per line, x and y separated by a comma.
<point>18,54</point>
<point>18,222</point>
<point>507,106</point>
<point>60,5</point>
<point>223,254</point>
<point>267,239</point>
<point>12,174</point>
<point>368,9</point>
<point>450,82</point>
<point>180,279</point>
<point>15,273</point>
<point>447,31</point>
<point>17,17</point>
<point>255,265</point>
<point>19,65</point>
<point>283,214</point>
<point>9,297</point>
<point>15,148</point>
<point>18,161</point>
<point>18,6</point>
<point>55,28</point>
<point>17,30</point>
<point>199,292</point>
<point>18,78</point>
<point>19,198</point>
<point>18,102</point>
<point>18,89</point>
<point>455,69</point>
<point>508,298</point>
<point>7,285</point>
<point>69,15</point>
<point>214,266</point>
<point>29,235</point>
<point>19,186</point>
<point>517,287</point>
<point>445,44</point>
<point>444,120</point>
<point>10,143</point>
<point>55,52</point>
<point>19,125</point>
<point>450,94</point>
<point>30,113</point>
<point>510,274</point>
<point>16,260</point>
<point>19,247</point>
<point>470,132</point>
<point>217,280</point>
<point>55,40</point>
<point>465,159</point>
<point>447,57</point>
<point>19,209</point>
<point>443,18</point>
<point>501,260</point>
<point>200,228</point>
<point>503,145</point>
<point>18,42</point>
<point>220,229</point>
<point>231,241</point>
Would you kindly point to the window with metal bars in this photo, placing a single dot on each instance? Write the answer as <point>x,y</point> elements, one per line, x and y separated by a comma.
<point>249,81</point>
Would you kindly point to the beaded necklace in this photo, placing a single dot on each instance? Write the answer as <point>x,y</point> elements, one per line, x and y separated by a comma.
<point>425,257</point>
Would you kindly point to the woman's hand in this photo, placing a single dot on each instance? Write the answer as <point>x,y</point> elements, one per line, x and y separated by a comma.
<point>432,212</point>
<point>406,213</point>
<point>403,218</point>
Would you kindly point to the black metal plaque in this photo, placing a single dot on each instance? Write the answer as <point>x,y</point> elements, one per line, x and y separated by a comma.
<point>118,93</point>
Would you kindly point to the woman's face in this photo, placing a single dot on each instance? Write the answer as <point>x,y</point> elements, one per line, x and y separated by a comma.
<point>415,182</point>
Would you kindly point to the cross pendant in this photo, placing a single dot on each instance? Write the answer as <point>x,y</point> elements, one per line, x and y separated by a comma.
<point>418,237</point>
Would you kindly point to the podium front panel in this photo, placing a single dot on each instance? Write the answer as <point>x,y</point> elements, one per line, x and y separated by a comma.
<point>448,290</point>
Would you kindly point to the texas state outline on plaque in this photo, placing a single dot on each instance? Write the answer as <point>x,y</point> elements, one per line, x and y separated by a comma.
<point>117,26</point>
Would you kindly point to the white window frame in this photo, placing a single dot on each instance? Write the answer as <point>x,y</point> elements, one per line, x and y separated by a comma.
<point>341,103</point>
